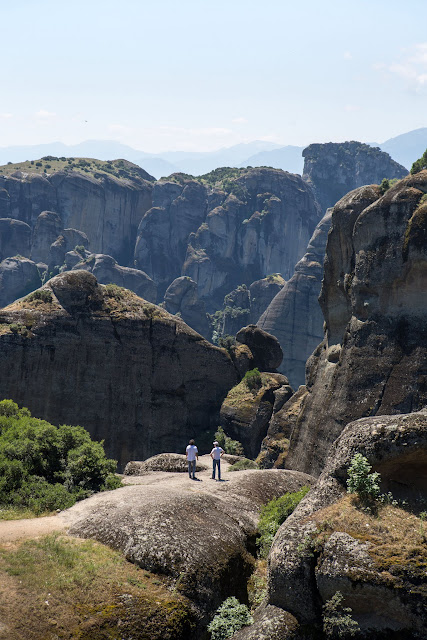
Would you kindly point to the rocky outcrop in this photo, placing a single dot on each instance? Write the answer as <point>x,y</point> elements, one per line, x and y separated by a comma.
<point>178,209</point>
<point>144,380</point>
<point>270,623</point>
<point>199,536</point>
<point>67,241</point>
<point>170,462</point>
<point>261,227</point>
<point>106,208</point>
<point>181,297</point>
<point>294,315</point>
<point>245,412</point>
<point>335,168</point>
<point>265,348</point>
<point>329,545</point>
<point>262,292</point>
<point>107,271</point>
<point>47,228</point>
<point>18,276</point>
<point>372,358</point>
<point>15,238</point>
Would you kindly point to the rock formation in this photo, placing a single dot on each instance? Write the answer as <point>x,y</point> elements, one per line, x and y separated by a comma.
<point>15,238</point>
<point>372,358</point>
<point>265,348</point>
<point>261,227</point>
<point>18,276</point>
<point>144,381</point>
<point>294,315</point>
<point>335,168</point>
<point>377,568</point>
<point>181,297</point>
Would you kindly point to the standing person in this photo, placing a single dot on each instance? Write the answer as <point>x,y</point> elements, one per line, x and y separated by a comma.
<point>216,455</point>
<point>192,455</point>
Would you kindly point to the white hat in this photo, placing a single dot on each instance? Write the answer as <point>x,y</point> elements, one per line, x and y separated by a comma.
<point>215,442</point>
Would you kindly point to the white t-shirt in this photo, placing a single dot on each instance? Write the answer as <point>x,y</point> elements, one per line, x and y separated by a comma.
<point>191,452</point>
<point>216,452</point>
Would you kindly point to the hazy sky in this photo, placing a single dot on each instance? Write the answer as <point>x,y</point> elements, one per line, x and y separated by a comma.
<point>201,74</point>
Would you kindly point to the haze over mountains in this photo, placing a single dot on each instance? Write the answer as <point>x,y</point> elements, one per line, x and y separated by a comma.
<point>405,149</point>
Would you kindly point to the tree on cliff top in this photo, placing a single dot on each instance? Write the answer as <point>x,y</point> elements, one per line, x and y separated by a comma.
<point>420,164</point>
<point>43,467</point>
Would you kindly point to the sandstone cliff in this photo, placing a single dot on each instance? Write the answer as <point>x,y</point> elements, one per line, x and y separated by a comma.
<point>132,374</point>
<point>372,358</point>
<point>294,315</point>
<point>335,168</point>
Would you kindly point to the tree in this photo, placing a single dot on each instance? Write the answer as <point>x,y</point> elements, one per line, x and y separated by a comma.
<point>420,164</point>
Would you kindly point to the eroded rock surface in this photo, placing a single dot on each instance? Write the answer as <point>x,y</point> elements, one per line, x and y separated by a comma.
<point>310,560</point>
<point>15,238</point>
<point>144,380</point>
<point>18,276</point>
<point>372,358</point>
<point>265,348</point>
<point>182,297</point>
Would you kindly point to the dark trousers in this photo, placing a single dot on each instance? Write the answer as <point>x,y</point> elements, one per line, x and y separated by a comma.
<point>192,468</point>
<point>216,463</point>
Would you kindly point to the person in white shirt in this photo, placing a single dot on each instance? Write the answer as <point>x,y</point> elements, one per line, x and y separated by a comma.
<point>216,455</point>
<point>192,455</point>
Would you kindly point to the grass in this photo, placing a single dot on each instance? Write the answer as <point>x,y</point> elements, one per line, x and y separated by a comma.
<point>16,513</point>
<point>97,169</point>
<point>60,587</point>
<point>246,399</point>
<point>397,537</point>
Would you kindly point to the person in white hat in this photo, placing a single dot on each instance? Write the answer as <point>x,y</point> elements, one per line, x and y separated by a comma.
<point>216,455</point>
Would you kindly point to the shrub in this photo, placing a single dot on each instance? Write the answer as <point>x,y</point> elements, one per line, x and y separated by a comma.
<point>361,482</point>
<point>44,467</point>
<point>241,465</point>
<point>233,447</point>
<point>229,618</point>
<point>420,164</point>
<point>79,248</point>
<point>253,379</point>
<point>41,294</point>
<point>273,514</point>
<point>337,620</point>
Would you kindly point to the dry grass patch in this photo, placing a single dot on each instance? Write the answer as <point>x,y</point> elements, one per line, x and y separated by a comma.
<point>398,539</point>
<point>64,588</point>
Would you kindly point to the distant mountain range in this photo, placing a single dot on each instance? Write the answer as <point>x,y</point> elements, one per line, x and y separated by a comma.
<point>405,149</point>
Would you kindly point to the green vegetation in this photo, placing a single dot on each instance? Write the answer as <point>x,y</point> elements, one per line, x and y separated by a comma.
<point>44,295</point>
<point>361,482</point>
<point>253,379</point>
<point>420,164</point>
<point>233,447</point>
<point>273,514</point>
<point>229,618</point>
<point>227,342</point>
<point>386,184</point>
<point>337,621</point>
<point>60,587</point>
<point>241,465</point>
<point>43,467</point>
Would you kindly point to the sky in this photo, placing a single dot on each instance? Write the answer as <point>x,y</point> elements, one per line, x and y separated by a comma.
<point>198,75</point>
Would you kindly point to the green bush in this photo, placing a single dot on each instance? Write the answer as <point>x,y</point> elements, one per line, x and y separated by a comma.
<point>361,482</point>
<point>229,618</point>
<point>253,379</point>
<point>241,465</point>
<point>420,164</point>
<point>44,467</point>
<point>233,447</point>
<point>41,294</point>
<point>273,514</point>
<point>337,621</point>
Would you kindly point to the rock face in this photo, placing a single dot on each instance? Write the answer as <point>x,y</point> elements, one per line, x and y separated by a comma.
<point>335,168</point>
<point>262,293</point>
<point>199,536</point>
<point>106,271</point>
<point>372,358</point>
<point>178,209</point>
<point>181,297</point>
<point>261,228</point>
<point>144,380</point>
<point>18,276</point>
<point>47,228</point>
<point>245,413</point>
<point>15,238</point>
<point>265,348</point>
<point>383,590</point>
<point>294,315</point>
<point>107,209</point>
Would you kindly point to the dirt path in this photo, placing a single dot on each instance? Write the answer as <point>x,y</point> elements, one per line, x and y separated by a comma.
<point>14,530</point>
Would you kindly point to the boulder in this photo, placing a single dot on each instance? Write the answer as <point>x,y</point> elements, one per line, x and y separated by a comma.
<point>148,384</point>
<point>270,623</point>
<point>181,297</point>
<point>67,241</point>
<point>171,462</point>
<point>18,276</point>
<point>245,413</point>
<point>294,315</point>
<point>329,545</point>
<point>15,238</point>
<point>372,357</point>
<point>264,347</point>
